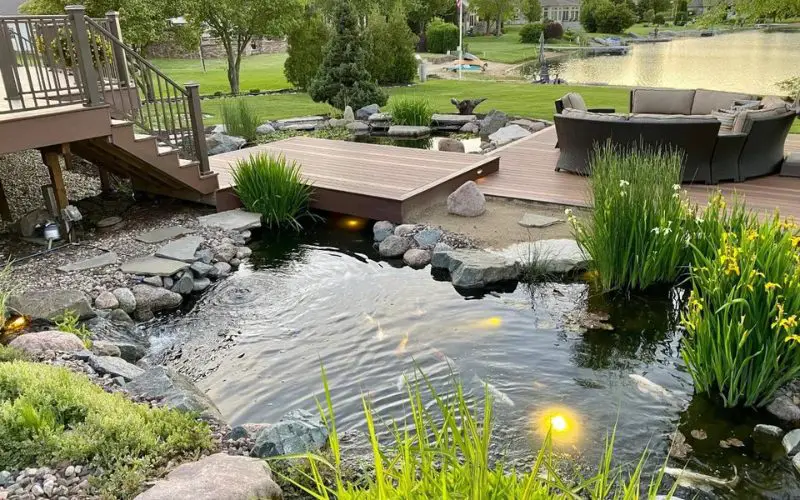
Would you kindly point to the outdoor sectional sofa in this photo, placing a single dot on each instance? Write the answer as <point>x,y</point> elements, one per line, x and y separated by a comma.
<point>718,142</point>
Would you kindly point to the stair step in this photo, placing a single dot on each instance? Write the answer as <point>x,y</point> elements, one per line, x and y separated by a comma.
<point>165,150</point>
<point>120,123</point>
<point>141,137</point>
<point>183,163</point>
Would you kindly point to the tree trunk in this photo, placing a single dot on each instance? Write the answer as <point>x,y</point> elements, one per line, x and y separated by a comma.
<point>498,28</point>
<point>233,69</point>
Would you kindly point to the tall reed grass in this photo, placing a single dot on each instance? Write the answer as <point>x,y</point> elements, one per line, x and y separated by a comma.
<point>443,452</point>
<point>271,186</point>
<point>411,110</point>
<point>638,233</point>
<point>240,118</point>
<point>742,341</point>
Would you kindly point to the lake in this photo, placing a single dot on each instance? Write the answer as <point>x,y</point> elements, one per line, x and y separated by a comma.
<point>750,61</point>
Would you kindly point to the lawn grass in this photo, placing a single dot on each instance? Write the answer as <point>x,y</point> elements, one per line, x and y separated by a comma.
<point>505,48</point>
<point>262,71</point>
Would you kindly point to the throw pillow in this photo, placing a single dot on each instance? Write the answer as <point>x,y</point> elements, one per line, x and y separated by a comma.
<point>742,105</point>
<point>726,118</point>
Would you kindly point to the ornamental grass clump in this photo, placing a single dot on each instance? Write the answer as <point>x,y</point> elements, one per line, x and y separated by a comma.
<point>411,110</point>
<point>240,119</point>
<point>50,415</point>
<point>639,230</point>
<point>742,341</point>
<point>271,186</point>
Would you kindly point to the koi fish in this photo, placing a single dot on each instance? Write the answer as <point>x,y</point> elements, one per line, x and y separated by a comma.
<point>380,335</point>
<point>695,480</point>
<point>401,347</point>
<point>489,323</point>
<point>647,386</point>
<point>497,394</point>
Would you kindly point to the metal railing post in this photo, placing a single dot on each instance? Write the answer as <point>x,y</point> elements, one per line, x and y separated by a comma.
<point>119,53</point>
<point>86,70</point>
<point>198,129</point>
<point>8,62</point>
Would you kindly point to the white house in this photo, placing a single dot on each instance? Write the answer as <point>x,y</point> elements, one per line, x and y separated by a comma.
<point>567,12</point>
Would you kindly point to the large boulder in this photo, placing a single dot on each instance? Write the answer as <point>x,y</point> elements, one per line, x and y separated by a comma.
<point>428,238</point>
<point>367,111</point>
<point>221,143</point>
<point>417,258</point>
<point>174,390</point>
<point>466,201</point>
<point>394,246</point>
<point>451,145</point>
<point>471,269</point>
<point>50,340</point>
<point>784,409</point>
<point>118,329</point>
<point>114,366</point>
<point>507,134</point>
<point>493,122</point>
<point>382,230</point>
<point>299,431</point>
<point>549,256</point>
<point>217,477</point>
<point>49,305</point>
<point>154,299</point>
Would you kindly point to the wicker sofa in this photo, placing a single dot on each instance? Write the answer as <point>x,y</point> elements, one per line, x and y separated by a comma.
<point>718,143</point>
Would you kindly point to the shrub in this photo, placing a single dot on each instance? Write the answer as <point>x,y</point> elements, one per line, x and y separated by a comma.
<point>613,18</point>
<point>50,415</point>
<point>648,16</point>
<point>742,341</point>
<point>68,322</point>
<point>531,33</point>
<point>391,59</point>
<point>342,79</point>
<point>658,19</point>
<point>441,36</point>
<point>411,110</point>
<point>588,17</point>
<point>553,30</point>
<point>272,187</point>
<point>305,47</point>
<point>638,230</point>
<point>8,354</point>
<point>792,87</point>
<point>7,288</point>
<point>240,118</point>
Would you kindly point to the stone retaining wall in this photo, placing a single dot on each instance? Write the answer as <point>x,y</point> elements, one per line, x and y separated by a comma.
<point>213,49</point>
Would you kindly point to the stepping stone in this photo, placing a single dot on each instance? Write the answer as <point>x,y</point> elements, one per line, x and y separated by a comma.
<point>182,249</point>
<point>232,220</point>
<point>108,223</point>
<point>536,220</point>
<point>153,266</point>
<point>105,259</point>
<point>162,234</point>
<point>408,131</point>
<point>445,119</point>
<point>550,256</point>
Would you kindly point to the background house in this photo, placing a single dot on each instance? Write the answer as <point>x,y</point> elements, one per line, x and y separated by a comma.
<point>567,12</point>
<point>10,7</point>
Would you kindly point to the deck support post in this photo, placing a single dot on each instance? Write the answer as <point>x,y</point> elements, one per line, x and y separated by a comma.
<point>105,180</point>
<point>5,211</point>
<point>198,129</point>
<point>86,70</point>
<point>52,159</point>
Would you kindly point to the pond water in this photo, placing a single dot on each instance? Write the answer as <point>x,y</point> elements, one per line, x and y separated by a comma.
<point>255,343</point>
<point>750,61</point>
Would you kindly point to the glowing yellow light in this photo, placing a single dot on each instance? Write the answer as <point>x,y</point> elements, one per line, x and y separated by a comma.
<point>352,223</point>
<point>561,423</point>
<point>493,322</point>
<point>15,324</point>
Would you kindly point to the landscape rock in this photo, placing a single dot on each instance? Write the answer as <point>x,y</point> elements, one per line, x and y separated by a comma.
<point>405,229</point>
<point>106,300</point>
<point>767,441</point>
<point>536,220</point>
<point>394,246</point>
<point>234,262</point>
<point>348,114</point>
<point>150,298</point>
<point>451,145</point>
<point>184,285</point>
<point>49,305</point>
<point>529,125</point>
<point>153,266</point>
<point>156,281</point>
<point>104,348</point>
<point>451,122</point>
<point>508,134</point>
<point>412,131</point>
<point>440,258</point>
<point>200,284</point>
<point>121,332</point>
<point>493,122</point>
<point>114,366</point>
<point>174,390</point>
<point>104,259</point>
<point>784,409</point>
<point>367,111</point>
<point>201,269</point>
<point>219,143</point>
<point>232,220</point>
<point>225,252</point>
<point>299,431</point>
<point>217,477</point>
<point>221,269</point>
<point>28,222</point>
<point>471,269</point>
<point>358,128</point>
<point>466,201</point>
<point>428,238</point>
<point>382,229</point>
<point>205,255</point>
<point>167,282</point>
<point>791,442</point>
<point>49,340</point>
<point>417,258</point>
<point>265,129</point>
<point>243,252</point>
<point>249,430</point>
<point>549,256</point>
<point>299,123</point>
<point>182,249</point>
<point>162,234</point>
<point>380,121</point>
<point>470,128</point>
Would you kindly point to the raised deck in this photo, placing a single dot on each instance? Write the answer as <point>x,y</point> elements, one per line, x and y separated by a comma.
<point>367,180</point>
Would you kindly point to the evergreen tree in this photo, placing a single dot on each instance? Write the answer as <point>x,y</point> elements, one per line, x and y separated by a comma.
<point>343,78</point>
<point>306,43</point>
<point>390,58</point>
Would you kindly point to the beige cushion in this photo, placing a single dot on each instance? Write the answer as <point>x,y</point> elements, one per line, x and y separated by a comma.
<point>772,101</point>
<point>706,101</point>
<point>661,115</point>
<point>744,120</point>
<point>588,115</point>
<point>662,101</point>
<point>726,117</point>
<point>573,100</point>
<point>654,118</point>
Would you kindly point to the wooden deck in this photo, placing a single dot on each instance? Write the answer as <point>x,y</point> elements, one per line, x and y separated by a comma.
<point>527,172</point>
<point>366,180</point>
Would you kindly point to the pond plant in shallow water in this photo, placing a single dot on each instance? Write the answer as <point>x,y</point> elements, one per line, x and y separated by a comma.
<point>742,339</point>
<point>411,110</point>
<point>271,186</point>
<point>443,452</point>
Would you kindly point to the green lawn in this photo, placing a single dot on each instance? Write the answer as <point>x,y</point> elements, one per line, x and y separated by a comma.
<point>505,48</point>
<point>263,72</point>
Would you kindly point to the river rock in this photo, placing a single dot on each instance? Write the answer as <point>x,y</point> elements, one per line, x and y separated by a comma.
<point>466,201</point>
<point>298,431</point>
<point>265,129</point>
<point>548,256</point>
<point>217,477</point>
<point>222,143</point>
<point>114,366</point>
<point>791,442</point>
<point>493,122</point>
<point>104,348</point>
<point>428,238</point>
<point>50,340</point>
<point>106,300</point>
<point>784,409</point>
<point>367,111</point>
<point>200,284</point>
<point>225,252</point>
<point>221,269</point>
<point>472,269</point>
<point>122,333</point>
<point>150,298</point>
<point>529,125</point>
<point>156,281</point>
<point>348,114</point>
<point>417,258</point>
<point>470,128</point>
<point>201,269</point>
<point>184,285</point>
<point>767,441</point>
<point>357,128</point>
<point>440,258</point>
<point>174,390</point>
<point>451,145</point>
<point>243,253</point>
<point>507,134</point>
<point>394,246</point>
<point>404,230</point>
<point>249,430</point>
<point>49,305</point>
<point>167,282</point>
<point>382,229</point>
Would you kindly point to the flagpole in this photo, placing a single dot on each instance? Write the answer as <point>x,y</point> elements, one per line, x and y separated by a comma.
<point>460,36</point>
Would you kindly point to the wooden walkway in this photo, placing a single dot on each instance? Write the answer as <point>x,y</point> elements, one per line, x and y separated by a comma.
<point>367,180</point>
<point>527,172</point>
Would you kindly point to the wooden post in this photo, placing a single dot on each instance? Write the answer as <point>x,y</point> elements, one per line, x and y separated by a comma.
<point>198,129</point>
<point>5,211</point>
<point>119,53</point>
<point>86,69</point>
<point>105,179</point>
<point>52,158</point>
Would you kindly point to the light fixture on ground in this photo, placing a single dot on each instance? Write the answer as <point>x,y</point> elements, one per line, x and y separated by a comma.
<point>351,223</point>
<point>562,423</point>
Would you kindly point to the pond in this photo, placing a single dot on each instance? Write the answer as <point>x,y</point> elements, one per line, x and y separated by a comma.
<point>750,61</point>
<point>256,342</point>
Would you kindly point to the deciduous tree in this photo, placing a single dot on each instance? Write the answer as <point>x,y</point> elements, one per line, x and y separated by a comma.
<point>498,10</point>
<point>532,10</point>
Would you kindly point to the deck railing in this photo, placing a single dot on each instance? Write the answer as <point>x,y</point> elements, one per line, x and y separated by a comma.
<point>49,61</point>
